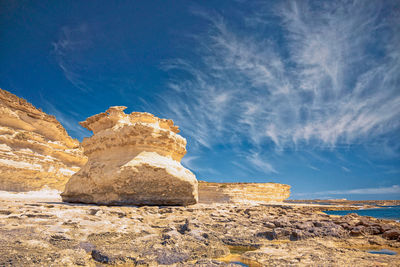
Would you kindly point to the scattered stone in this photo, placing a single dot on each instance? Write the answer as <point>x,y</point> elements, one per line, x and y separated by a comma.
<point>168,257</point>
<point>184,227</point>
<point>269,225</point>
<point>93,211</point>
<point>357,231</point>
<point>270,235</point>
<point>100,257</point>
<point>296,235</point>
<point>392,234</point>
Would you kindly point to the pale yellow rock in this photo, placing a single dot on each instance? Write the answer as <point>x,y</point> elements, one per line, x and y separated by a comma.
<point>132,159</point>
<point>242,192</point>
<point>35,150</point>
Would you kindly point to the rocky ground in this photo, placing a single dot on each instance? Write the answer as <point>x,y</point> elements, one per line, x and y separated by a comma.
<point>47,232</point>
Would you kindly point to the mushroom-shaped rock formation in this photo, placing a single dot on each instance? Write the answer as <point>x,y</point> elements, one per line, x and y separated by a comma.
<point>132,159</point>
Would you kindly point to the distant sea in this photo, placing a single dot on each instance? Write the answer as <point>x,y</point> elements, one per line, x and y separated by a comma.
<point>384,212</point>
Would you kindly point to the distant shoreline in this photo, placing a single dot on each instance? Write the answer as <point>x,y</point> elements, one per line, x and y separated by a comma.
<point>365,203</point>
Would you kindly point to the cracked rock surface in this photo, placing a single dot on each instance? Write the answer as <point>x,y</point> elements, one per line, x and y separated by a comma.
<point>50,232</point>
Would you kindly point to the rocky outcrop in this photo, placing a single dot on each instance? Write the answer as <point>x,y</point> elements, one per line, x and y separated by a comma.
<point>242,192</point>
<point>35,150</point>
<point>34,232</point>
<point>132,159</point>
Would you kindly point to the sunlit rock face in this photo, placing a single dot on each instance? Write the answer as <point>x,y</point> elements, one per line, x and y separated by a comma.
<point>132,159</point>
<point>242,192</point>
<point>35,150</point>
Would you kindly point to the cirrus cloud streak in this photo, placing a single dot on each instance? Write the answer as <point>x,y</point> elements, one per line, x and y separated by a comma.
<point>328,78</point>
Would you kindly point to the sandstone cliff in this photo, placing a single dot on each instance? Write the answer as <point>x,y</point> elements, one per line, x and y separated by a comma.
<point>132,159</point>
<point>242,192</point>
<point>35,150</point>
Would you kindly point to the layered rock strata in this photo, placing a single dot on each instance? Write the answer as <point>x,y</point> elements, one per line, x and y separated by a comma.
<point>35,150</point>
<point>242,192</point>
<point>132,159</point>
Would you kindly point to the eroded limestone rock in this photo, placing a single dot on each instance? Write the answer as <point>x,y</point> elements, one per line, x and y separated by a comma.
<point>242,192</point>
<point>132,159</point>
<point>35,150</point>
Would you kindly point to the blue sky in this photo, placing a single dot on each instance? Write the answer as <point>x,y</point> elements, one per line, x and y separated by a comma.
<point>305,93</point>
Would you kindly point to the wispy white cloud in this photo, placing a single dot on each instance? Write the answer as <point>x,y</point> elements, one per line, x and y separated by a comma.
<point>93,61</point>
<point>313,168</point>
<point>188,161</point>
<point>394,189</point>
<point>71,42</point>
<point>261,163</point>
<point>69,122</point>
<point>331,78</point>
<point>339,102</point>
<point>346,169</point>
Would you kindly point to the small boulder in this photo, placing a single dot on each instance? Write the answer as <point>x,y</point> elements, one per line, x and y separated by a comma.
<point>392,234</point>
<point>357,231</point>
<point>100,257</point>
